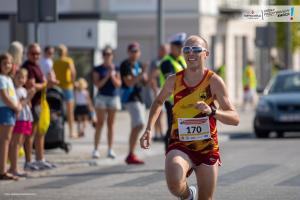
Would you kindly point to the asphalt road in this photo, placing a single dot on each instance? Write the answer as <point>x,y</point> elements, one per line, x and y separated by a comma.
<point>252,169</point>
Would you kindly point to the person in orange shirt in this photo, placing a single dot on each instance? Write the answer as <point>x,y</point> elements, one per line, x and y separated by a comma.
<point>193,140</point>
<point>65,72</point>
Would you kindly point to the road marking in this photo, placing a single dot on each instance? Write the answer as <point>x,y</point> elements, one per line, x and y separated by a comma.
<point>243,173</point>
<point>19,194</point>
<point>79,178</point>
<point>293,181</point>
<point>143,180</point>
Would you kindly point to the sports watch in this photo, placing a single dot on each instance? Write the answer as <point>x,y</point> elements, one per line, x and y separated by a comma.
<point>213,111</point>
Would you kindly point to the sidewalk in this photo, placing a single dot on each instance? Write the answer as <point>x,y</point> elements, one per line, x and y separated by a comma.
<point>80,154</point>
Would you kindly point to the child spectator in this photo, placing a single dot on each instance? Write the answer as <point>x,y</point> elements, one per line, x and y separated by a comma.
<point>9,106</point>
<point>24,121</point>
<point>84,106</point>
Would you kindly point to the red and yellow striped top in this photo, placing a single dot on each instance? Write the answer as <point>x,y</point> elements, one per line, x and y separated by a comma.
<point>185,98</point>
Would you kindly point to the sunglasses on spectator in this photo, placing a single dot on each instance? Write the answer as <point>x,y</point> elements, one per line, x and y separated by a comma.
<point>188,49</point>
<point>35,53</point>
<point>107,54</point>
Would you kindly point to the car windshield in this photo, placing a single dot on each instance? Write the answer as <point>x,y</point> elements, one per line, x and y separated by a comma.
<point>286,83</point>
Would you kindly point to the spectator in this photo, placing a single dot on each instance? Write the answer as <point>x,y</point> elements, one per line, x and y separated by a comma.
<point>23,124</point>
<point>66,75</point>
<point>84,106</point>
<point>9,106</point>
<point>16,49</point>
<point>46,64</point>
<point>249,84</point>
<point>36,81</point>
<point>155,87</point>
<point>133,77</point>
<point>106,78</point>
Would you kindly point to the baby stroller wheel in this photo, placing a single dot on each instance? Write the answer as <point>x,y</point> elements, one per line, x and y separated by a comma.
<point>67,147</point>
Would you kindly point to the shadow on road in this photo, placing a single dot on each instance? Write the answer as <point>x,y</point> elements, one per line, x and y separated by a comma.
<point>74,178</point>
<point>251,136</point>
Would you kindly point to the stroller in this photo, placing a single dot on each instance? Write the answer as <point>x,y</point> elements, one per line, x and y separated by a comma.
<point>55,137</point>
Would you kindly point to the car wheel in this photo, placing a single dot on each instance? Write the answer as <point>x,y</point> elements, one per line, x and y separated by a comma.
<point>280,134</point>
<point>261,133</point>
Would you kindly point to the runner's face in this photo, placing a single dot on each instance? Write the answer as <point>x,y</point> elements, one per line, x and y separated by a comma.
<point>195,59</point>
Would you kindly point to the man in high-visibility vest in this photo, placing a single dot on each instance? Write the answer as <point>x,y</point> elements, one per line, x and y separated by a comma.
<point>171,64</point>
<point>249,84</point>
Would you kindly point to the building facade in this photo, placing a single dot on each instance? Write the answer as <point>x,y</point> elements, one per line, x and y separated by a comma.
<point>85,28</point>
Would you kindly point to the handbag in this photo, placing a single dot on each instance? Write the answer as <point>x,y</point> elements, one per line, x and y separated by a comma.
<point>44,120</point>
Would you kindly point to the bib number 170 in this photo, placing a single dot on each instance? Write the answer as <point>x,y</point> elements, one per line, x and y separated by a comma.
<point>193,129</point>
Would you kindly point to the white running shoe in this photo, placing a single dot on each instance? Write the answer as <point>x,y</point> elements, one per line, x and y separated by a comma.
<point>193,190</point>
<point>111,154</point>
<point>95,154</point>
<point>30,166</point>
<point>43,165</point>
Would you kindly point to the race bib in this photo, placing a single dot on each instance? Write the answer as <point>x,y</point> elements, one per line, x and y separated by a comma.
<point>191,129</point>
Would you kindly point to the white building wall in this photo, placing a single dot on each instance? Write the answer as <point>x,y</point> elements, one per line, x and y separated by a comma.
<point>8,6</point>
<point>4,35</point>
<point>78,5</point>
<point>81,34</point>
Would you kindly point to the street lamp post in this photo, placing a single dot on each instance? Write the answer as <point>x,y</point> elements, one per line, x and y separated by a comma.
<point>160,23</point>
<point>288,44</point>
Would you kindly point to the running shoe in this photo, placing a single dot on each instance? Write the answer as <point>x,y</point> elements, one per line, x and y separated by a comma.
<point>31,166</point>
<point>111,154</point>
<point>134,160</point>
<point>193,191</point>
<point>95,154</point>
<point>41,164</point>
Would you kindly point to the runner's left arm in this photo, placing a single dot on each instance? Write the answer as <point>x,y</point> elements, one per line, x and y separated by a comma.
<point>155,110</point>
<point>226,113</point>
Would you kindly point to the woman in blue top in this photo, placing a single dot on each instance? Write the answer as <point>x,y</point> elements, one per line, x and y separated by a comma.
<point>106,78</point>
<point>9,106</point>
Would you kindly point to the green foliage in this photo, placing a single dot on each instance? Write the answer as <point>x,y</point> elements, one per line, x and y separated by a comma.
<point>280,28</point>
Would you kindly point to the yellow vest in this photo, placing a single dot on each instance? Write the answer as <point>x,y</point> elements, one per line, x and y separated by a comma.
<point>176,66</point>
<point>249,77</point>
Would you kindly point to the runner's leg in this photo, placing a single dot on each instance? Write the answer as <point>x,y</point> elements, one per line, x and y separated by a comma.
<point>206,180</point>
<point>177,165</point>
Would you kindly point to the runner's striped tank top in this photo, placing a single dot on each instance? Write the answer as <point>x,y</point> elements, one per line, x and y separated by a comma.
<point>185,98</point>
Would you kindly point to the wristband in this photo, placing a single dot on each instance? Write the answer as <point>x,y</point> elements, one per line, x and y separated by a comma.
<point>213,111</point>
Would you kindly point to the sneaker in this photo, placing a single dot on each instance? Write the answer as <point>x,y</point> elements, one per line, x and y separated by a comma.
<point>30,166</point>
<point>50,164</point>
<point>133,159</point>
<point>193,191</point>
<point>95,154</point>
<point>111,154</point>
<point>43,165</point>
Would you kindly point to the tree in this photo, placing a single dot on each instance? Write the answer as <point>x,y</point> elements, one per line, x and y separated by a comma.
<point>280,28</point>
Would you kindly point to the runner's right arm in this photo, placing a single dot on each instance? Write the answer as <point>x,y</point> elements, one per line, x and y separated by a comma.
<point>155,110</point>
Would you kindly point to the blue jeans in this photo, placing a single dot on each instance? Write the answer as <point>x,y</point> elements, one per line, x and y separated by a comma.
<point>7,116</point>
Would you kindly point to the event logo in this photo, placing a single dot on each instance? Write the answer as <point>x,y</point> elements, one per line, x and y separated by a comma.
<point>272,14</point>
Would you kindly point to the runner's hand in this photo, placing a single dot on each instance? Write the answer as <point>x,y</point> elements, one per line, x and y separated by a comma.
<point>203,107</point>
<point>145,140</point>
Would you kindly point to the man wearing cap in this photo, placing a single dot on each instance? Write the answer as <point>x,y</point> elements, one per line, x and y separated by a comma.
<point>171,64</point>
<point>133,77</point>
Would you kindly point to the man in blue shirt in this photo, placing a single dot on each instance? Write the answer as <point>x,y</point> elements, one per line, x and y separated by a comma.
<point>133,77</point>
